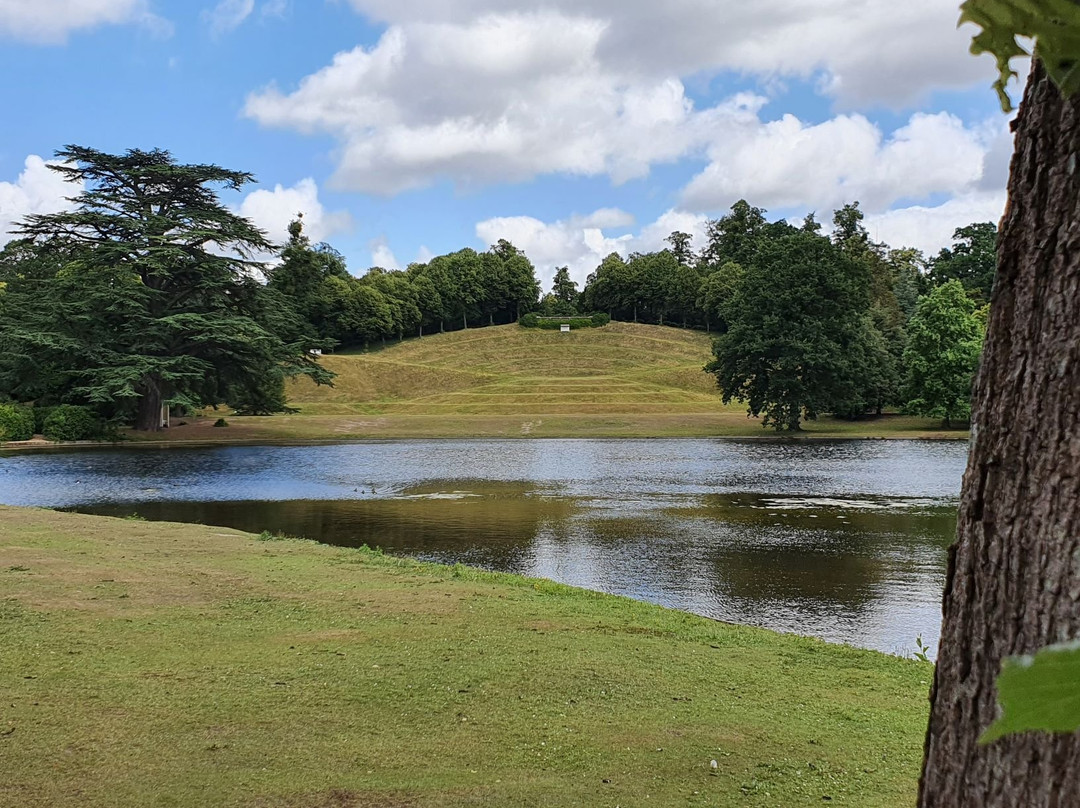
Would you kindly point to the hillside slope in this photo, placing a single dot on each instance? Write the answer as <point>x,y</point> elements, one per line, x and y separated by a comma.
<point>509,370</point>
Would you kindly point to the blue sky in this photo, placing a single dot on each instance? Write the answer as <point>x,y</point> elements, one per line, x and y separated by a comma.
<point>574,128</point>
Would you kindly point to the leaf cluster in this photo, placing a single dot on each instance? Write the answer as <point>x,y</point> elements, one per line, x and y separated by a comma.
<point>1054,25</point>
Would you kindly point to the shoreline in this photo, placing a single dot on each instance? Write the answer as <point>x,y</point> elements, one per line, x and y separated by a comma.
<point>286,667</point>
<point>322,430</point>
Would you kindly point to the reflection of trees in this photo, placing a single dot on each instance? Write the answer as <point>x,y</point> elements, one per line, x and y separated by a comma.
<point>798,574</point>
<point>475,527</point>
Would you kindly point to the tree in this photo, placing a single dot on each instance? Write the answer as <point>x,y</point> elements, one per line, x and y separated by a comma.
<point>717,294</point>
<point>162,275</point>
<point>302,278</point>
<point>681,247</point>
<point>1013,580</point>
<point>877,356</point>
<point>944,340</point>
<point>564,290</point>
<point>972,260</point>
<point>796,321</point>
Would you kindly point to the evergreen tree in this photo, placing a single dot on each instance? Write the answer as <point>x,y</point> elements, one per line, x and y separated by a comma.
<point>154,300</point>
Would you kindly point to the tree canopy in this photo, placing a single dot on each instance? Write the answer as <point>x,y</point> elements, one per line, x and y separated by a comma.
<point>144,293</point>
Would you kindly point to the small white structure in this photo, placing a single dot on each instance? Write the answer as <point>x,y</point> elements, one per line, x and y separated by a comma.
<point>315,352</point>
<point>565,328</point>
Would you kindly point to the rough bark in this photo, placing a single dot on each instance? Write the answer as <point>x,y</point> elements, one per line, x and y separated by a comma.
<point>148,416</point>
<point>1013,583</point>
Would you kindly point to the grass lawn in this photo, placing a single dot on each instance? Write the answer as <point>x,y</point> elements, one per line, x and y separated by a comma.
<point>623,380</point>
<point>147,664</point>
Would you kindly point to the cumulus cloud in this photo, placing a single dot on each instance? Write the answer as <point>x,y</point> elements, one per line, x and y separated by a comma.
<point>479,92</point>
<point>580,243</point>
<point>51,21</point>
<point>786,163</point>
<point>866,50</point>
<point>272,210</point>
<point>931,228</point>
<point>36,190</point>
<point>382,255</point>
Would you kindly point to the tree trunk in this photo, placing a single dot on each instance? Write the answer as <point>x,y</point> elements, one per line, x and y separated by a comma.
<point>148,414</point>
<point>421,329</point>
<point>464,321</point>
<point>1013,583</point>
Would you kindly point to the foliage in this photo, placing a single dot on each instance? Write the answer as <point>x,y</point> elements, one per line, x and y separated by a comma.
<point>220,423</point>
<point>41,414</point>
<point>1039,693</point>
<point>798,322</point>
<point>68,422</point>
<point>16,422</point>
<point>533,320</point>
<point>972,260</point>
<point>1053,24</point>
<point>944,342</point>
<point>565,291</point>
<point>143,294</point>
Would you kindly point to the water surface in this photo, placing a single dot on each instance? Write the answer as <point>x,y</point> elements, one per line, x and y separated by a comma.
<point>842,540</point>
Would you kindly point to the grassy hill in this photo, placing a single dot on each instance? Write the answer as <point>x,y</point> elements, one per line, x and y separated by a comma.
<point>623,380</point>
<point>509,370</point>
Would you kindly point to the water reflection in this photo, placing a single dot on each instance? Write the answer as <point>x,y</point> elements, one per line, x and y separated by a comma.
<point>845,541</point>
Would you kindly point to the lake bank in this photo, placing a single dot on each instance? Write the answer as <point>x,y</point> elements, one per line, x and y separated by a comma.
<point>842,540</point>
<point>195,665</point>
<point>299,430</point>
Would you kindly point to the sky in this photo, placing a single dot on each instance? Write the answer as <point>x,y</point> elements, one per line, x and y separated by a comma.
<point>403,129</point>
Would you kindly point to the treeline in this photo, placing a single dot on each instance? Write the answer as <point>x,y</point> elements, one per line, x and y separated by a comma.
<point>150,295</point>
<point>809,324</point>
<point>459,290</point>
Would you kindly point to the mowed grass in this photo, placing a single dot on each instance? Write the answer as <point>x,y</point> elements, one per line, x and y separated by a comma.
<point>148,664</point>
<point>509,370</point>
<point>623,380</point>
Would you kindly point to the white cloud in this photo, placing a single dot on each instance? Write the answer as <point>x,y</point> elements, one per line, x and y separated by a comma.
<point>580,242</point>
<point>867,50</point>
<point>931,228</point>
<point>486,91</point>
<point>228,15</point>
<point>505,99</point>
<point>786,163</point>
<point>272,210</point>
<point>37,190</point>
<point>51,21</point>
<point>382,255</point>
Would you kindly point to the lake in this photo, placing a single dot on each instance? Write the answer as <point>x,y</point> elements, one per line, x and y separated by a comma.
<point>842,540</point>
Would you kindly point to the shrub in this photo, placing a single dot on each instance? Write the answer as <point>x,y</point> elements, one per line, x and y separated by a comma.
<point>16,422</point>
<point>41,414</point>
<point>533,320</point>
<point>220,422</point>
<point>69,422</point>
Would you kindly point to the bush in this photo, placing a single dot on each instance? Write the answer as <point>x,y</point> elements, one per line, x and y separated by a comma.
<point>533,320</point>
<point>41,414</point>
<point>69,422</point>
<point>220,422</point>
<point>16,423</point>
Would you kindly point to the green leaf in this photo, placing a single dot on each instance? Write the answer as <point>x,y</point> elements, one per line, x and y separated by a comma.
<point>1040,692</point>
<point>1053,24</point>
